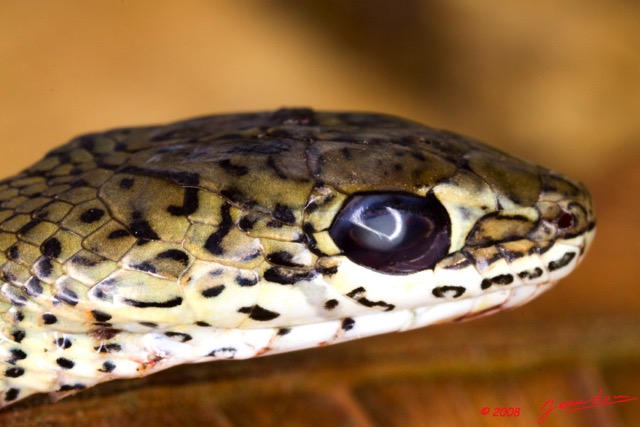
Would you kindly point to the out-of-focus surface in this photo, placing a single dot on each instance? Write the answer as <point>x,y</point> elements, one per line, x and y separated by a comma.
<point>552,81</point>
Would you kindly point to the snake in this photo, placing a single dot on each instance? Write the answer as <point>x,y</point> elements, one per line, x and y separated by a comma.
<point>231,236</point>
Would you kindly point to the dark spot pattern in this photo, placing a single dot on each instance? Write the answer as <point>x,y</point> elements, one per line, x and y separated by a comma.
<point>246,281</point>
<point>100,316</point>
<point>49,319</point>
<point>16,354</point>
<point>330,304</point>
<point>358,295</point>
<point>448,291</point>
<point>92,215</point>
<point>288,277</point>
<point>63,343</point>
<point>347,324</point>
<point>108,366</point>
<point>213,291</point>
<point>118,234</point>
<point>108,348</point>
<point>501,279</point>
<point>283,258</point>
<point>214,242</point>
<point>174,255</point>
<point>179,335</point>
<point>531,274</point>
<point>51,248</point>
<point>14,372</point>
<point>258,313</point>
<point>65,363</point>
<point>175,302</point>
<point>562,262</point>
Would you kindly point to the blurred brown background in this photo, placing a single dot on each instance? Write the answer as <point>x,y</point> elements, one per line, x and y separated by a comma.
<point>555,81</point>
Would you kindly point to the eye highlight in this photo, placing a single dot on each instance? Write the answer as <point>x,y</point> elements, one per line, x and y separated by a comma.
<point>393,233</point>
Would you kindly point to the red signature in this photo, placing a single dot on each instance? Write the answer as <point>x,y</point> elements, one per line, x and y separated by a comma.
<point>579,405</point>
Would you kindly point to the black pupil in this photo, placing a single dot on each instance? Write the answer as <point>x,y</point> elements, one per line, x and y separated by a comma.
<point>393,233</point>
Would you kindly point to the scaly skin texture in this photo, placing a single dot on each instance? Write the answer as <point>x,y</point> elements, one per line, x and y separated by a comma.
<point>125,252</point>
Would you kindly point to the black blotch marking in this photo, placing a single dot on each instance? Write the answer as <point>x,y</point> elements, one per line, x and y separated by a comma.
<point>258,313</point>
<point>92,215</point>
<point>63,343</point>
<point>141,229</point>
<point>346,153</point>
<point>11,394</point>
<point>85,261</point>
<point>146,266</point>
<point>236,196</point>
<point>284,214</point>
<point>107,367</point>
<point>72,387</point>
<point>443,291</point>
<point>309,240</point>
<point>485,284</point>
<point>100,316</point>
<point>190,203</point>
<point>213,291</point>
<point>283,331</point>
<point>174,255</point>
<point>532,274</point>
<point>108,348</point>
<point>246,281</point>
<point>149,324</point>
<point>501,279</point>
<point>18,335</point>
<point>16,354</point>
<point>126,183</point>
<point>65,363</point>
<point>13,252</point>
<point>182,336</point>
<point>49,319</point>
<point>118,234</point>
<point>562,262</point>
<point>275,224</point>
<point>19,317</point>
<point>14,372</point>
<point>29,226</point>
<point>44,267</point>
<point>213,243</point>
<point>148,304</point>
<point>331,304</point>
<point>18,300</point>
<point>202,324</point>
<point>358,295</point>
<point>283,258</point>
<point>287,277</point>
<point>347,324</point>
<point>68,297</point>
<point>51,248</point>
<point>328,271</point>
<point>246,224</point>
<point>33,287</point>
<point>228,352</point>
<point>237,170</point>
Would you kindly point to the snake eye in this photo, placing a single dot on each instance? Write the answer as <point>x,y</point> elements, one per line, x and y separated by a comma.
<point>393,233</point>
